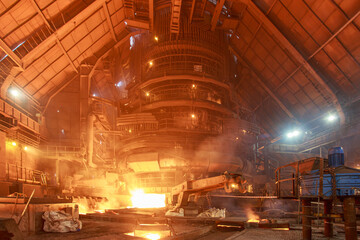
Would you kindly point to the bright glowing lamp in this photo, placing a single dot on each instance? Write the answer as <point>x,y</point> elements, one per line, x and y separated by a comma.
<point>14,92</point>
<point>293,133</point>
<point>331,118</point>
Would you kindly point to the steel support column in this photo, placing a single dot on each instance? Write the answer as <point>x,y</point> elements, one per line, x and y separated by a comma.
<point>306,219</point>
<point>350,218</point>
<point>90,140</point>
<point>328,225</point>
<point>216,14</point>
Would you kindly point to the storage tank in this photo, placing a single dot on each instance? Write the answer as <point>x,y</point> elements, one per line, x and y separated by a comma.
<point>336,157</point>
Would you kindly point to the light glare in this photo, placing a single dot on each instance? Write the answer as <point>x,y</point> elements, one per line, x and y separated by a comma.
<point>294,133</point>
<point>152,236</point>
<point>14,92</point>
<point>331,118</point>
<point>140,199</point>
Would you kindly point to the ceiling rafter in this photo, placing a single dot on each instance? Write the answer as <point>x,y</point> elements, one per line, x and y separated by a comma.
<point>11,54</point>
<point>263,85</point>
<point>151,14</point>
<point>175,16</point>
<point>312,55</point>
<point>216,14</point>
<point>46,83</point>
<point>37,8</point>
<point>334,35</point>
<point>108,19</point>
<point>95,9</point>
<point>66,55</point>
<point>329,31</point>
<point>192,10</point>
<point>257,30</point>
<point>62,31</point>
<point>339,69</point>
<point>53,94</point>
<point>252,7</point>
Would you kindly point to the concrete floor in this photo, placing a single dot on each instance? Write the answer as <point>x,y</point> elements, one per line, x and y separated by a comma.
<point>102,230</point>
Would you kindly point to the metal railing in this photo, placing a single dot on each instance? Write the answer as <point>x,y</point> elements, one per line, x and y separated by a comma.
<point>22,118</point>
<point>288,177</point>
<point>21,174</point>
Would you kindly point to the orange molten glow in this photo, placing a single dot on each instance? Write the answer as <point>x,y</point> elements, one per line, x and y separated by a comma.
<point>100,211</point>
<point>139,199</point>
<point>152,236</point>
<point>252,216</point>
<point>253,220</point>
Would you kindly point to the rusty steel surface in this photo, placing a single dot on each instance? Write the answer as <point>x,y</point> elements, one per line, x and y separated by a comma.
<point>245,197</point>
<point>350,218</point>
<point>306,219</point>
<point>328,222</point>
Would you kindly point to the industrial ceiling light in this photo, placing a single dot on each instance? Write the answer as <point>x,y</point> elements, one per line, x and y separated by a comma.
<point>14,92</point>
<point>156,38</point>
<point>331,118</point>
<point>293,133</point>
<point>147,94</point>
<point>25,148</point>
<point>193,115</point>
<point>13,143</point>
<point>151,63</point>
<point>193,86</point>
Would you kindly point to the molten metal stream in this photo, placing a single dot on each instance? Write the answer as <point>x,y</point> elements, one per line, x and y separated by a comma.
<point>139,199</point>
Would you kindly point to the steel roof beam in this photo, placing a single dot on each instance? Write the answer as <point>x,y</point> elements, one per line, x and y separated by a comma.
<point>216,14</point>
<point>263,85</point>
<point>66,55</point>
<point>295,53</point>
<point>108,19</point>
<point>151,14</point>
<point>37,8</point>
<point>192,10</point>
<point>11,54</point>
<point>62,31</point>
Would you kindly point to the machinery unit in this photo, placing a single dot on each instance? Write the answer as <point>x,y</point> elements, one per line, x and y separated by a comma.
<point>335,180</point>
<point>319,179</point>
<point>192,191</point>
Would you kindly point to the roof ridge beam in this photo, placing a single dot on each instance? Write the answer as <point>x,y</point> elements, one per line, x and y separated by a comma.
<point>295,53</point>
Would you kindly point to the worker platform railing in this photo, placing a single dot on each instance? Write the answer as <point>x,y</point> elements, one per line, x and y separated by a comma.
<point>288,177</point>
<point>21,174</point>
